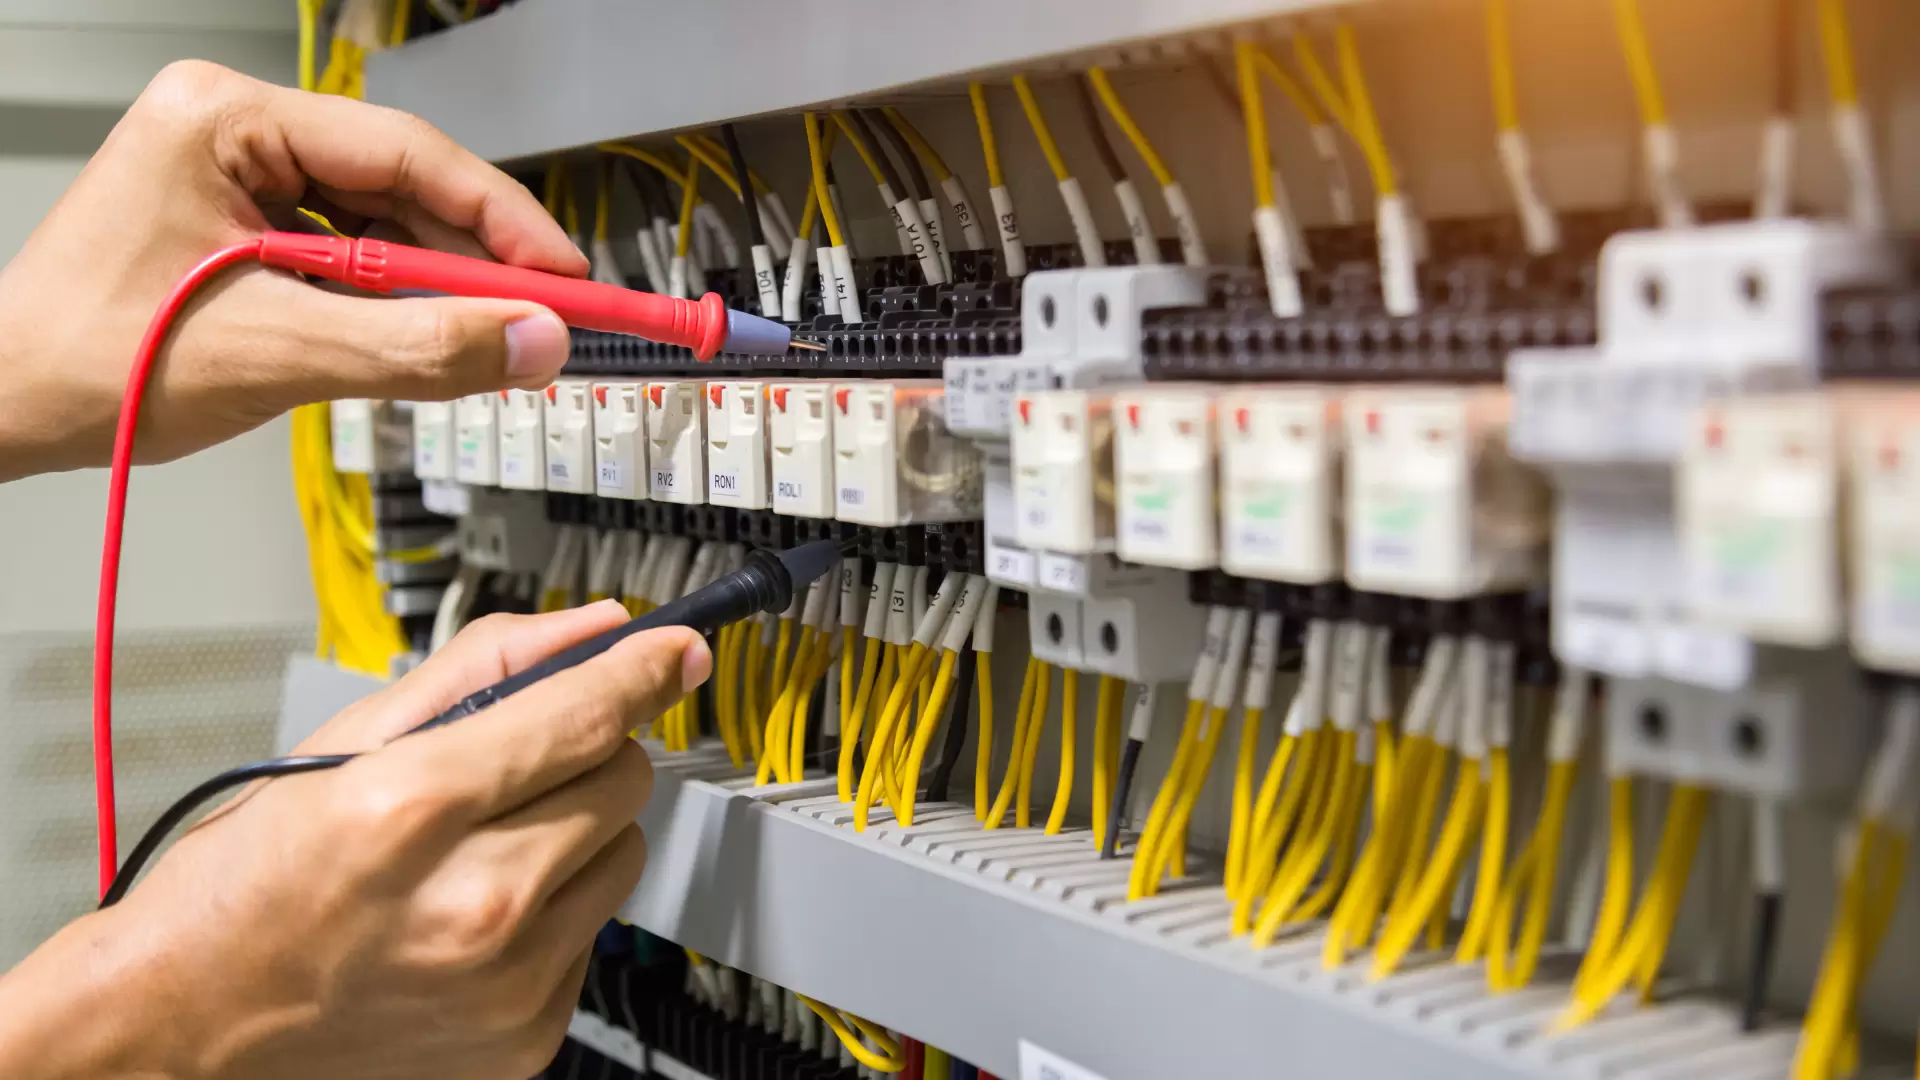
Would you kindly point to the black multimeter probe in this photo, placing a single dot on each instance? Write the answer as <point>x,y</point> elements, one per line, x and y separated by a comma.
<point>767,582</point>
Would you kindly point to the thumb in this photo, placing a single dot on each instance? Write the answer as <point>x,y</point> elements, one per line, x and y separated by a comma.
<point>434,348</point>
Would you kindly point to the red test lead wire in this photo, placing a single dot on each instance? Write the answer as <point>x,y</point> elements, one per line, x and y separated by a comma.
<point>705,326</point>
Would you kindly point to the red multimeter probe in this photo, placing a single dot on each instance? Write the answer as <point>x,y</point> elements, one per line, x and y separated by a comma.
<point>705,326</point>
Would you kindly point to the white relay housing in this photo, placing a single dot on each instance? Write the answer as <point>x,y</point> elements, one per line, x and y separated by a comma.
<point>523,440</point>
<point>677,442</point>
<point>476,422</point>
<point>1164,476</point>
<point>737,445</point>
<point>895,462</point>
<point>1884,533</point>
<point>433,440</point>
<point>619,441</point>
<point>1435,506</point>
<point>1280,494</point>
<point>1063,471</point>
<point>569,420</point>
<point>801,437</point>
<point>351,421</point>
<point>1757,497</point>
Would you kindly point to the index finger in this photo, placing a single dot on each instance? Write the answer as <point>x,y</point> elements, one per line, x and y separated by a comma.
<point>352,146</point>
<point>505,757</point>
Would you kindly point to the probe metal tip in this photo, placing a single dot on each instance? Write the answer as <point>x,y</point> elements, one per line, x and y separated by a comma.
<point>811,346</point>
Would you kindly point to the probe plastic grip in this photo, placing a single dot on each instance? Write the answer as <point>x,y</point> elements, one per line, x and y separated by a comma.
<point>766,583</point>
<point>700,325</point>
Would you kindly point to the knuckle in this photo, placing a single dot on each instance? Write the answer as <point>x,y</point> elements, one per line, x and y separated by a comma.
<point>389,810</point>
<point>475,920</point>
<point>434,346</point>
<point>188,87</point>
<point>490,628</point>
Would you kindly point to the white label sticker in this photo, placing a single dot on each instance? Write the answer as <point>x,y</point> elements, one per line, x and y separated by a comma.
<point>609,474</point>
<point>513,469</point>
<point>724,483</point>
<point>558,470</point>
<point>1063,573</point>
<point>1038,1064</point>
<point>1010,566</point>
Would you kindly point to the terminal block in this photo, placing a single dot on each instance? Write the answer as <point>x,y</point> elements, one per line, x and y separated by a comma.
<point>523,440</point>
<point>1281,449</point>
<point>800,434</point>
<point>476,421</point>
<point>568,418</point>
<point>676,427</point>
<point>433,439</point>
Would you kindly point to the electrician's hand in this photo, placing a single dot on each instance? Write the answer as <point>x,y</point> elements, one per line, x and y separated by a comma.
<point>206,158</point>
<point>425,911</point>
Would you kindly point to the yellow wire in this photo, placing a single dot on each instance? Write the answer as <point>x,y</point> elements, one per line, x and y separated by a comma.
<point>1836,50</point>
<point>1258,862</point>
<point>887,1058</point>
<point>1617,895</point>
<point>923,149</point>
<point>1346,834</point>
<point>817,158</point>
<point>472,10</point>
<point>1506,100</point>
<point>1438,874</point>
<point>1106,748</point>
<point>923,734</point>
<point>309,15</point>
<point>1142,880</point>
<point>1360,101</point>
<point>750,692</point>
<point>1172,855</point>
<point>983,750</point>
<point>1121,117</point>
<point>664,166</point>
<point>1359,909</point>
<point>689,198</point>
<point>1330,95</point>
<point>1493,857</point>
<point>1038,121</point>
<point>1291,884</point>
<point>723,701</point>
<point>1030,753</point>
<point>849,685</point>
<point>718,152</point>
<point>1254,112</point>
<point>782,643</point>
<point>803,707</point>
<point>1646,79</point>
<point>397,29</point>
<point>1069,720</point>
<point>1638,959</point>
<point>983,120</point>
<point>1423,808</point>
<point>879,758</point>
<point>1511,963</point>
<point>1010,778</point>
<point>1240,821</point>
<point>860,147</point>
<point>715,164</point>
<point>1297,94</point>
<point>856,716</point>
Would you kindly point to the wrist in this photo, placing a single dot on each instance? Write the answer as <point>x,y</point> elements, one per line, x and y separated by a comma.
<point>86,1004</point>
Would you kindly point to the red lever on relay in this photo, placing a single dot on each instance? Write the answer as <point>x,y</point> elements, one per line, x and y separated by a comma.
<point>707,326</point>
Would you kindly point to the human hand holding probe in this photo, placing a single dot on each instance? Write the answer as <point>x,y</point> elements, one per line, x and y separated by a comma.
<point>422,910</point>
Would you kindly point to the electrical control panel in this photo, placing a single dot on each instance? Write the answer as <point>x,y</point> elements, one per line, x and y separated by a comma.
<point>1600,504</point>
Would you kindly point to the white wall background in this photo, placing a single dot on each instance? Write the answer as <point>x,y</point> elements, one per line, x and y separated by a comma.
<point>214,592</point>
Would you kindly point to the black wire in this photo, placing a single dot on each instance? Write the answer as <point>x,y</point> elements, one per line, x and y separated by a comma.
<point>747,202</point>
<point>1102,146</point>
<point>958,710</point>
<point>880,158</point>
<point>1229,93</point>
<point>1122,792</point>
<point>193,800</point>
<point>1766,934</point>
<point>916,175</point>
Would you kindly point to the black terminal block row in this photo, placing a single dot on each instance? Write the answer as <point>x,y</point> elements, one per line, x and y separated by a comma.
<point>1520,619</point>
<point>909,328</point>
<point>1871,333</point>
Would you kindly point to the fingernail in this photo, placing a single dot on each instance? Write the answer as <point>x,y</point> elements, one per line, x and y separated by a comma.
<point>696,663</point>
<point>537,346</point>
